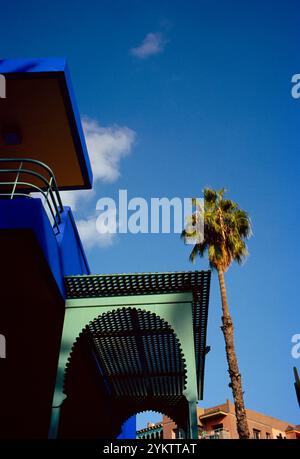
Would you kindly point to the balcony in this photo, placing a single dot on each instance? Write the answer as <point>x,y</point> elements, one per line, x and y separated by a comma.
<point>217,434</point>
<point>20,177</point>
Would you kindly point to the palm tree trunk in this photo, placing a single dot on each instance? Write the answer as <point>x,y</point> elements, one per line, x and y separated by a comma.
<point>233,369</point>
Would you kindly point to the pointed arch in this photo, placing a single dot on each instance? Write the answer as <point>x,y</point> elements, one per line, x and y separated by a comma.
<point>124,361</point>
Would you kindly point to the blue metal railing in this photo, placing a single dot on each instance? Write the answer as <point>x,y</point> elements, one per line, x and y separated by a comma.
<point>19,177</point>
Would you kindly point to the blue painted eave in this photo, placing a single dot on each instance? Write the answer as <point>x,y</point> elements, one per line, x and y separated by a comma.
<point>57,67</point>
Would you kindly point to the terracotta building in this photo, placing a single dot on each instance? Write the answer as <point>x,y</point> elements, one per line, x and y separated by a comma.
<point>219,422</point>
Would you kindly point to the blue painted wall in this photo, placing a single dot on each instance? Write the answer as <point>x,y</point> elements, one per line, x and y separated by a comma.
<point>64,253</point>
<point>22,213</point>
<point>72,256</point>
<point>128,429</point>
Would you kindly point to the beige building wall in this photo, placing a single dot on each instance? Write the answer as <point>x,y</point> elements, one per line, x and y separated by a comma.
<point>220,421</point>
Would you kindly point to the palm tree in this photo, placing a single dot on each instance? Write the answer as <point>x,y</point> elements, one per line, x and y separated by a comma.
<point>226,227</point>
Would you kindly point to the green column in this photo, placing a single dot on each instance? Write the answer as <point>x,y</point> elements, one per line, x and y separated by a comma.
<point>193,421</point>
<point>55,415</point>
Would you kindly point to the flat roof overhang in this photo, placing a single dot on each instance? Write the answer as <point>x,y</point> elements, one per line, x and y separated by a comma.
<point>39,119</point>
<point>213,414</point>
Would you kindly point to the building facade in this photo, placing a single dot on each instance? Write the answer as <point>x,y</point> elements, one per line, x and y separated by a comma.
<point>219,422</point>
<point>151,432</point>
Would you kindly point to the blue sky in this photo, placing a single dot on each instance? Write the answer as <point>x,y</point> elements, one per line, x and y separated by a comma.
<point>179,95</point>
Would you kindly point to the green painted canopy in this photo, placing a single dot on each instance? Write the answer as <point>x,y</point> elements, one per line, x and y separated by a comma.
<point>116,285</point>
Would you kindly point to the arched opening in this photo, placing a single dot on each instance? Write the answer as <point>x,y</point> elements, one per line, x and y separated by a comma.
<point>152,425</point>
<point>125,361</point>
<point>148,424</point>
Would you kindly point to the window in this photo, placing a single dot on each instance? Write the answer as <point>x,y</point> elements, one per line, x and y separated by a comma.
<point>217,427</point>
<point>256,434</point>
<point>179,434</point>
<point>268,435</point>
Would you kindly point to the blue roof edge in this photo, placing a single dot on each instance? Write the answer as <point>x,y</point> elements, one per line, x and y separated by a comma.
<point>57,65</point>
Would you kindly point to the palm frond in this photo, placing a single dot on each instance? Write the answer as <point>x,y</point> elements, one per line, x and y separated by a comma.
<point>226,227</point>
<point>193,254</point>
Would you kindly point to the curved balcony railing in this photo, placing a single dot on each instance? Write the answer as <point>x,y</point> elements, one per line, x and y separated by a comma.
<point>216,434</point>
<point>19,177</point>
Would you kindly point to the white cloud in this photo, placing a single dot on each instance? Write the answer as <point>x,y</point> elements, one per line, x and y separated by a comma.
<point>106,147</point>
<point>154,43</point>
<point>72,198</point>
<point>92,234</point>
